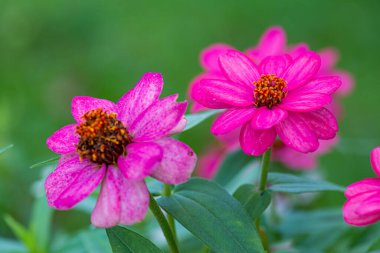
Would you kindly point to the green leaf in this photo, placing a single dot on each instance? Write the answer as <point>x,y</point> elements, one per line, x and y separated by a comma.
<point>21,233</point>
<point>232,164</point>
<point>253,202</point>
<point>11,246</point>
<point>2,150</point>
<point>197,118</point>
<point>40,223</point>
<point>282,182</point>
<point>212,215</point>
<point>53,159</point>
<point>123,240</point>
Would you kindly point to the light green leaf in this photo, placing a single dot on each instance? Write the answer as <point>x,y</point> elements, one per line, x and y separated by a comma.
<point>53,159</point>
<point>197,118</point>
<point>214,216</point>
<point>232,164</point>
<point>282,182</point>
<point>4,149</point>
<point>11,246</point>
<point>253,202</point>
<point>21,233</point>
<point>123,240</point>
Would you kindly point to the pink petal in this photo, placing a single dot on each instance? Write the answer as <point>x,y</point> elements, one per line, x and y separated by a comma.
<point>295,133</point>
<point>363,186</point>
<point>326,85</point>
<point>134,199</point>
<point>179,127</point>
<point>256,142</point>
<point>322,122</point>
<point>81,104</point>
<point>210,56</point>
<point>265,118</point>
<point>239,68</point>
<point>347,82</point>
<point>293,159</point>
<point>375,160</point>
<point>232,119</point>
<point>273,42</point>
<point>134,102</point>
<point>210,162</point>
<point>141,159</point>
<point>302,70</point>
<point>329,57</point>
<point>178,162</point>
<point>230,140</point>
<point>64,140</point>
<point>275,64</point>
<point>370,206</point>
<point>298,50</point>
<point>71,182</point>
<point>158,120</point>
<point>107,210</point>
<point>350,211</point>
<point>218,94</point>
<point>304,102</point>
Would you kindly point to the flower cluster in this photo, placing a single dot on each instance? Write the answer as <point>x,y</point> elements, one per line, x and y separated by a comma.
<point>118,146</point>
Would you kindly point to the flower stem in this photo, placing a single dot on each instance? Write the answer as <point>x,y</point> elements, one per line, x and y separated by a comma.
<point>264,170</point>
<point>156,210</point>
<point>167,192</point>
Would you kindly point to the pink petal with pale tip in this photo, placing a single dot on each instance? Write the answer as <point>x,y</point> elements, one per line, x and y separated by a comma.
<point>179,127</point>
<point>275,64</point>
<point>351,207</point>
<point>256,142</point>
<point>210,57</point>
<point>329,57</point>
<point>375,160</point>
<point>134,199</point>
<point>273,42</point>
<point>134,102</point>
<point>64,140</point>
<point>322,122</point>
<point>107,210</point>
<point>82,104</point>
<point>239,68</point>
<point>158,120</point>
<point>265,118</point>
<point>141,159</point>
<point>232,119</point>
<point>219,94</point>
<point>304,102</point>
<point>295,133</point>
<point>326,85</point>
<point>178,162</point>
<point>71,182</point>
<point>363,186</point>
<point>302,70</point>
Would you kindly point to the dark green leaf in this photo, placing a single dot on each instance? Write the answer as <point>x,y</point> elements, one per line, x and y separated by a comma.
<point>214,216</point>
<point>253,202</point>
<point>2,150</point>
<point>123,240</point>
<point>197,118</point>
<point>282,182</point>
<point>232,164</point>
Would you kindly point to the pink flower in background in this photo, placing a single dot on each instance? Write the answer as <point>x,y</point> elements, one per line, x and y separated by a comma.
<point>363,197</point>
<point>281,96</point>
<point>117,146</point>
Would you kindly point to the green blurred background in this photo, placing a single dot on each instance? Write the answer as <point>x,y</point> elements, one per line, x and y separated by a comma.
<point>51,51</point>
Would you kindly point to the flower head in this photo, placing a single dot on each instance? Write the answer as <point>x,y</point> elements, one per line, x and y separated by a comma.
<point>362,205</point>
<point>117,146</point>
<point>280,96</point>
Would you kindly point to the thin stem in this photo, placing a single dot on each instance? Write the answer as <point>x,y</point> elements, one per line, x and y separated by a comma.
<point>156,210</point>
<point>167,192</point>
<point>264,169</point>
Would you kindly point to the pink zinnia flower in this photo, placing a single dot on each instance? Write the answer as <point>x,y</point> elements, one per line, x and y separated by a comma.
<point>363,197</point>
<point>117,146</point>
<point>280,97</point>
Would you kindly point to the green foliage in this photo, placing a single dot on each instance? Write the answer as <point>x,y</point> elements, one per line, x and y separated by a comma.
<point>282,182</point>
<point>6,148</point>
<point>212,215</point>
<point>197,118</point>
<point>253,202</point>
<point>123,240</point>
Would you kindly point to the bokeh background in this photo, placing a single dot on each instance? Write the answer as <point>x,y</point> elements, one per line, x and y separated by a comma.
<point>51,51</point>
